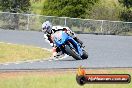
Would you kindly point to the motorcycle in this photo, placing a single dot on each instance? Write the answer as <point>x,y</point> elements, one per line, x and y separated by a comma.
<point>69,46</point>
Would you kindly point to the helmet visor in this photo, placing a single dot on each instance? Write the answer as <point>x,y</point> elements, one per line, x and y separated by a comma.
<point>44,30</point>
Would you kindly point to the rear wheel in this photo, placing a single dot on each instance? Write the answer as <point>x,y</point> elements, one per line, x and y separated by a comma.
<point>72,52</point>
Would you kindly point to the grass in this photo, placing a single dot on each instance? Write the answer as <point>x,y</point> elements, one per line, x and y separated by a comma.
<point>54,79</point>
<point>12,53</point>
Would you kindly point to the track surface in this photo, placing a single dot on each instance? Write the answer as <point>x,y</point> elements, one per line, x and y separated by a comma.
<point>104,51</point>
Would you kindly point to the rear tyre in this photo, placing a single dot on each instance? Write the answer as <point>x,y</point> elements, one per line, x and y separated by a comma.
<point>85,55</point>
<point>72,52</point>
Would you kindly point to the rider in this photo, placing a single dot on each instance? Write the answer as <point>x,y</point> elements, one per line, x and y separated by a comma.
<point>48,30</point>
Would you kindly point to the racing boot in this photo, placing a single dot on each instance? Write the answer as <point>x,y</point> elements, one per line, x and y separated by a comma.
<point>60,54</point>
<point>79,41</point>
<point>54,53</point>
<point>57,53</point>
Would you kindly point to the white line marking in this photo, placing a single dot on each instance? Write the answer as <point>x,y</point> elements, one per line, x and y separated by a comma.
<point>41,61</point>
<point>31,62</point>
<point>16,63</point>
<point>54,59</point>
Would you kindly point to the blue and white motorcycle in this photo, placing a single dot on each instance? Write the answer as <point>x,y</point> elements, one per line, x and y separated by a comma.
<point>69,46</point>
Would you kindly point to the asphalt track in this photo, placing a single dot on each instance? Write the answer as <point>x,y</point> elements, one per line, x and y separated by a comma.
<point>105,51</point>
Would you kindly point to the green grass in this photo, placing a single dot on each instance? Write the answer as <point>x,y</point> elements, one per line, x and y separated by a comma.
<point>11,53</point>
<point>54,79</point>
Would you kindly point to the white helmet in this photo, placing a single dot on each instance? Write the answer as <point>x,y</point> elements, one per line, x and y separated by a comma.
<point>47,27</point>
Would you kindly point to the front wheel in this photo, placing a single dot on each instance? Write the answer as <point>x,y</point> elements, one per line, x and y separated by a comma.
<point>85,55</point>
<point>72,52</point>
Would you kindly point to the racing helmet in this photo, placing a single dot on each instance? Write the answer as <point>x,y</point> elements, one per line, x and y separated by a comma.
<point>47,27</point>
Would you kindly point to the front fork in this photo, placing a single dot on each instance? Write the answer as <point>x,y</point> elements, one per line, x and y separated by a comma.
<point>76,45</point>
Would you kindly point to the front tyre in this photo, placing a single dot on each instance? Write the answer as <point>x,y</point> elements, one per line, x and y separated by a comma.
<point>85,55</point>
<point>72,52</point>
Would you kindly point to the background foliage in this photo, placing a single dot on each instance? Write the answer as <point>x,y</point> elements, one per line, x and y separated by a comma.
<point>21,6</point>
<point>105,9</point>
<point>68,8</point>
<point>126,13</point>
<point>89,9</point>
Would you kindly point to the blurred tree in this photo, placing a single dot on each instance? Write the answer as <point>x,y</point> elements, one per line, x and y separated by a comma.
<point>126,14</point>
<point>126,3</point>
<point>104,10</point>
<point>69,8</point>
<point>15,6</point>
<point>4,5</point>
